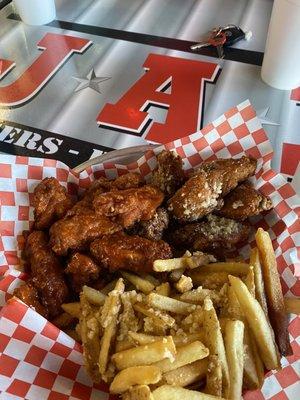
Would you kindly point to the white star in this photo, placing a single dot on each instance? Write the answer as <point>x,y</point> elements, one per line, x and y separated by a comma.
<point>262,116</point>
<point>91,81</point>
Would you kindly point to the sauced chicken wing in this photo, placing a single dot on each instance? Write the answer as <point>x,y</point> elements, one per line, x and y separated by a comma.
<point>101,185</point>
<point>129,206</point>
<point>51,202</point>
<point>29,295</point>
<point>120,251</point>
<point>82,270</point>
<point>77,231</point>
<point>243,202</point>
<point>46,272</point>
<point>168,176</point>
<point>213,234</point>
<point>201,194</point>
<point>154,228</point>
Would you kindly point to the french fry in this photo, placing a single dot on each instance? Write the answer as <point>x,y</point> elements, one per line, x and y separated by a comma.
<point>214,339</point>
<point>214,376</point>
<point>258,323</point>
<point>141,339</point>
<point>198,295</point>
<point>150,278</point>
<point>168,392</point>
<point>260,370</point>
<point>179,340</point>
<point>185,355</point>
<point>159,318</point>
<point>123,345</point>
<point>139,392</point>
<point>170,264</point>
<point>72,309</point>
<point>273,290</point>
<point>193,321</point>
<point>234,345</point>
<point>63,320</point>
<point>187,374</point>
<point>142,375</point>
<point>232,268</point>
<point>94,296</point>
<point>258,279</point>
<point>250,281</point>
<point>251,373</point>
<point>169,304</point>
<point>188,260</point>
<point>184,284</point>
<point>209,280</point>
<point>109,320</point>
<point>140,283</point>
<point>163,289</point>
<point>145,355</point>
<point>292,305</point>
<point>90,331</point>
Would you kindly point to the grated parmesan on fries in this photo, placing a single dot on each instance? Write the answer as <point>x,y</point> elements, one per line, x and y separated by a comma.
<point>158,337</point>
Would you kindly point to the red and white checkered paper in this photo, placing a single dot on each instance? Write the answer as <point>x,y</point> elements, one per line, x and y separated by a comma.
<point>37,360</point>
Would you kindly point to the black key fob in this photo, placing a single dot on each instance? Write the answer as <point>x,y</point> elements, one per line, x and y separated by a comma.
<point>233,34</point>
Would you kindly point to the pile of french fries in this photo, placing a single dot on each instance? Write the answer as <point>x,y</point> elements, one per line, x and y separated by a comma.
<point>186,332</point>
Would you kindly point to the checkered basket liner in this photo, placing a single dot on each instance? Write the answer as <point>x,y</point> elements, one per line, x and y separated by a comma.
<point>37,360</point>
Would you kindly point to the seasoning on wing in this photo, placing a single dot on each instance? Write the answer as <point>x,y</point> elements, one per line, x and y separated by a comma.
<point>51,202</point>
<point>82,270</point>
<point>168,176</point>
<point>213,234</point>
<point>75,232</point>
<point>46,273</point>
<point>202,193</point>
<point>121,251</point>
<point>155,227</point>
<point>129,206</point>
<point>243,202</point>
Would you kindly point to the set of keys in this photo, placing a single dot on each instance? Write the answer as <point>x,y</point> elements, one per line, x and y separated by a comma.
<point>223,36</point>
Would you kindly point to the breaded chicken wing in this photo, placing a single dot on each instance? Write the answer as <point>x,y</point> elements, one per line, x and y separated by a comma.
<point>243,202</point>
<point>201,194</point>
<point>129,206</point>
<point>51,202</point>
<point>120,251</point>
<point>82,270</point>
<point>77,231</point>
<point>211,235</point>
<point>131,180</point>
<point>168,176</point>
<point>46,273</point>
<point>154,228</point>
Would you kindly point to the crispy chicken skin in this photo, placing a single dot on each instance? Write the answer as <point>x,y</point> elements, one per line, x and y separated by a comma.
<point>201,194</point>
<point>121,251</point>
<point>77,231</point>
<point>82,270</point>
<point>168,176</point>
<point>243,202</point>
<point>154,228</point>
<point>132,180</point>
<point>213,234</point>
<point>129,206</point>
<point>51,202</point>
<point>46,273</point>
<point>29,295</point>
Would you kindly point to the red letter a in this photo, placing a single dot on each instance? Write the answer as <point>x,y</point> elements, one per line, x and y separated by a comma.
<point>184,103</point>
<point>56,51</point>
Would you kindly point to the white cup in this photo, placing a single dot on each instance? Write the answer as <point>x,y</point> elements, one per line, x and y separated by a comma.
<point>281,65</point>
<point>36,12</point>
